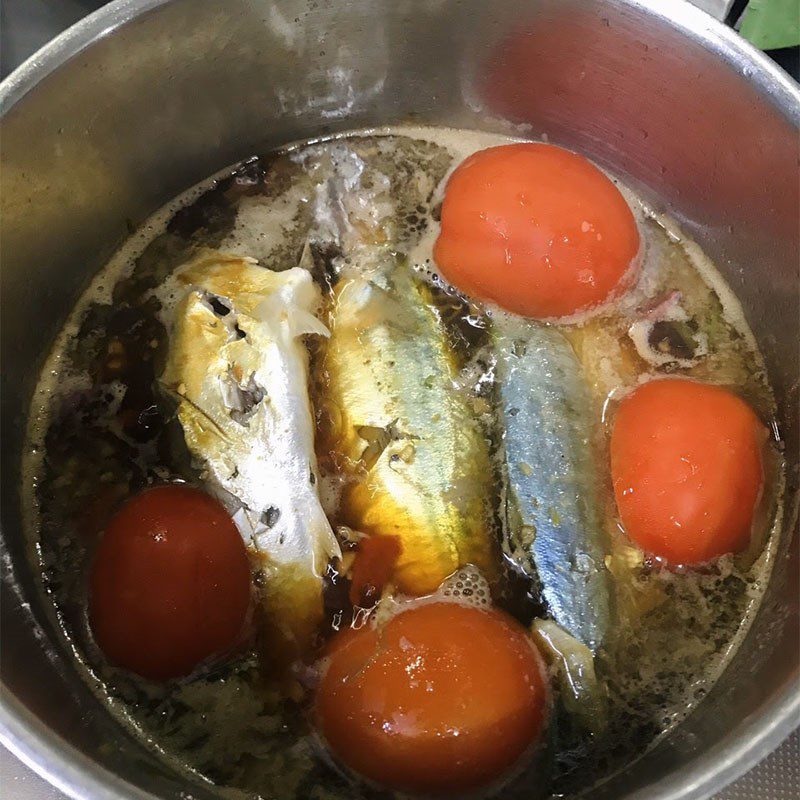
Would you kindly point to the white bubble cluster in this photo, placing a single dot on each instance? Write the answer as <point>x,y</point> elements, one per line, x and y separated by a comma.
<point>466,586</point>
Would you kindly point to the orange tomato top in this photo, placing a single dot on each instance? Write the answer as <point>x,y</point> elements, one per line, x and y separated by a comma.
<point>686,464</point>
<point>170,583</point>
<point>536,229</point>
<point>443,698</point>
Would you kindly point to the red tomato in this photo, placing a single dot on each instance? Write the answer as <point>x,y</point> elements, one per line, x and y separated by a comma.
<point>373,568</point>
<point>536,229</point>
<point>686,462</point>
<point>170,583</point>
<point>442,698</point>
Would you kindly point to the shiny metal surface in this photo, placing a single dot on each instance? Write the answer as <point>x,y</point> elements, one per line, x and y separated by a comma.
<point>27,25</point>
<point>145,98</point>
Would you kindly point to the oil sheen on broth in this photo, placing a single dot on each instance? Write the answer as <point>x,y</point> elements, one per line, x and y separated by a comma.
<point>101,430</point>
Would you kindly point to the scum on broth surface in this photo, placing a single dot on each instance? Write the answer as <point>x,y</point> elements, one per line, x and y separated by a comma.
<point>99,430</point>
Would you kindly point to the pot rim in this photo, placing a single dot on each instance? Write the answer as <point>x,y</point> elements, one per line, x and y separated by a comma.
<point>681,14</point>
<point>73,773</point>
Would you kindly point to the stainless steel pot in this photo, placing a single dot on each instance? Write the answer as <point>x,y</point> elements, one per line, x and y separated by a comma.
<point>147,97</point>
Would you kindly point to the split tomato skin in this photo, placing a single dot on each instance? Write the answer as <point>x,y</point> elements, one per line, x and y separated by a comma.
<point>687,469</point>
<point>170,583</point>
<point>373,568</point>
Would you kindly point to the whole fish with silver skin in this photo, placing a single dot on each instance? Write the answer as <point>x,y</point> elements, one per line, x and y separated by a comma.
<point>554,527</point>
<point>238,367</point>
<point>416,457</point>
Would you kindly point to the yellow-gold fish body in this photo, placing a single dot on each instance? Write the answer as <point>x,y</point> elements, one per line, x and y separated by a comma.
<point>416,460</point>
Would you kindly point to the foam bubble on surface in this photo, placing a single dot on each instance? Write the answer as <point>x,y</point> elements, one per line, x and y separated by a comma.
<point>467,586</point>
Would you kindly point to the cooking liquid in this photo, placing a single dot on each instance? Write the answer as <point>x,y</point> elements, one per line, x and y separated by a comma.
<point>101,431</point>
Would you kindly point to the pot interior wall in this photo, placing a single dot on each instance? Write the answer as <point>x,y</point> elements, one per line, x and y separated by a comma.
<point>185,88</point>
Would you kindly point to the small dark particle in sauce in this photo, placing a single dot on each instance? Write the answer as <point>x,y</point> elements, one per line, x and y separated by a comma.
<point>673,338</point>
<point>271,516</point>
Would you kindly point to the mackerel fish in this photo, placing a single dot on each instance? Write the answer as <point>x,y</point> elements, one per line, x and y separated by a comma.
<point>238,368</point>
<point>554,528</point>
<point>416,460</point>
